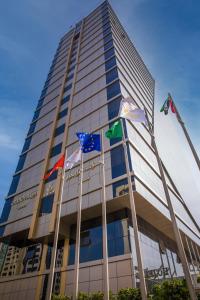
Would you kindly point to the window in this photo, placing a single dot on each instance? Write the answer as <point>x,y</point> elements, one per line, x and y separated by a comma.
<point>71,69</point>
<point>40,102</point>
<point>6,210</point>
<point>72,61</point>
<point>113,90</point>
<point>46,204</point>
<point>2,229</point>
<point>32,128</point>
<point>110,63</point>
<point>111,75</point>
<point>65,100</point>
<point>107,38</point>
<point>120,187</point>
<point>117,230</point>
<point>56,150</point>
<point>90,241</point>
<point>62,113</point>
<point>53,176</point>
<point>109,53</point>
<point>70,76</point>
<point>118,161</point>
<point>14,184</point>
<point>26,144</point>
<point>73,53</point>
<point>108,30</point>
<point>113,108</point>
<point>106,26</point>
<point>68,87</point>
<point>59,130</point>
<point>36,114</point>
<point>108,45</point>
<point>21,162</point>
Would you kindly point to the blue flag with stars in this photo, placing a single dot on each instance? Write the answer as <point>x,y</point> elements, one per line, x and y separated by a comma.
<point>89,142</point>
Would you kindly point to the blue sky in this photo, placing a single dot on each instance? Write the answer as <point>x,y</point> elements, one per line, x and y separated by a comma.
<point>166,34</point>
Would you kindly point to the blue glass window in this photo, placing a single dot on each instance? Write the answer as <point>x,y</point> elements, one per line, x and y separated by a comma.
<point>32,128</point>
<point>90,241</point>
<point>6,210</point>
<point>14,184</point>
<point>40,102</point>
<point>73,53</point>
<point>106,25</point>
<point>117,230</point>
<point>109,53</point>
<point>111,75</point>
<point>21,162</point>
<point>2,229</point>
<point>68,87</point>
<point>113,90</point>
<point>110,63</point>
<point>59,130</point>
<point>36,115</point>
<point>46,204</point>
<point>71,69</point>
<point>113,108</point>
<point>70,76</point>
<point>26,144</point>
<point>56,150</point>
<point>53,176</point>
<point>108,30</point>
<point>107,38</point>
<point>120,187</point>
<point>63,113</point>
<point>72,61</point>
<point>118,161</point>
<point>108,45</point>
<point>65,100</point>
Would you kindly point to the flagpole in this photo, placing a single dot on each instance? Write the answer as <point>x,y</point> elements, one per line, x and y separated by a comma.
<point>176,231</point>
<point>143,288</point>
<point>78,233</point>
<point>104,225</point>
<point>55,241</point>
<point>186,135</point>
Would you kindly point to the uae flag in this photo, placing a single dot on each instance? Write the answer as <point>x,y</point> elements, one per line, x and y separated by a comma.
<point>58,164</point>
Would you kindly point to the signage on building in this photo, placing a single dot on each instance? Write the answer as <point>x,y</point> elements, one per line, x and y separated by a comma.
<point>77,173</point>
<point>156,273</point>
<point>21,199</point>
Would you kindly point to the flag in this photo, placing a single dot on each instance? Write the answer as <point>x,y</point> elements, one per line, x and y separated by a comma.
<point>72,159</point>
<point>165,107</point>
<point>130,111</point>
<point>168,103</point>
<point>172,106</point>
<point>115,131</point>
<point>89,142</point>
<point>58,164</point>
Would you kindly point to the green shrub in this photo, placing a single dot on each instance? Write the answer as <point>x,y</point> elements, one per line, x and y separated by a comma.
<point>96,296</point>
<point>83,296</point>
<point>59,297</point>
<point>171,289</point>
<point>129,294</point>
<point>198,279</point>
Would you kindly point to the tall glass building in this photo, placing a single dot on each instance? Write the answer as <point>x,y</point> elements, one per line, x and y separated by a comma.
<point>94,67</point>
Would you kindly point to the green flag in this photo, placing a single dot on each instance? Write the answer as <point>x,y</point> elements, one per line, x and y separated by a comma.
<point>115,131</point>
<point>165,107</point>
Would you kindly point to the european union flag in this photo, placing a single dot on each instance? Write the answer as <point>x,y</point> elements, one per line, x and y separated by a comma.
<point>89,142</point>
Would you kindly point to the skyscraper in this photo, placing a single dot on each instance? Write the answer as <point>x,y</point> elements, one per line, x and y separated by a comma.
<point>95,66</point>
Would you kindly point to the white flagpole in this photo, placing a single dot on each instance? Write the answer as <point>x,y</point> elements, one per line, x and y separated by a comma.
<point>78,233</point>
<point>176,231</point>
<point>104,225</point>
<point>143,288</point>
<point>55,241</point>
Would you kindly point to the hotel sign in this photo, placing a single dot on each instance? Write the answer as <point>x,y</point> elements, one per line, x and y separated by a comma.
<point>156,273</point>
